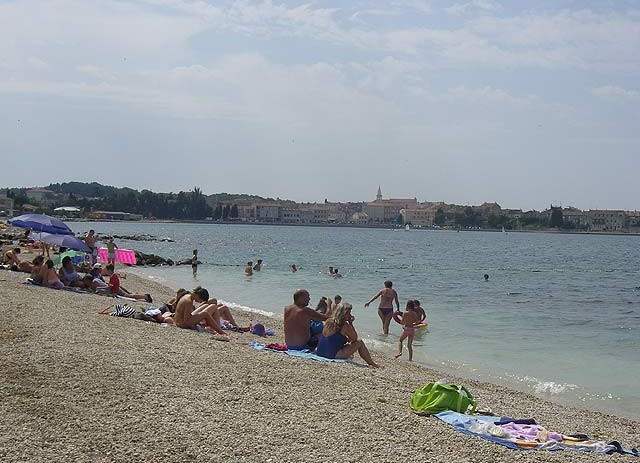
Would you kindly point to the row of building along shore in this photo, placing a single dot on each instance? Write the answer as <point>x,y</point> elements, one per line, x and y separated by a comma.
<point>393,211</point>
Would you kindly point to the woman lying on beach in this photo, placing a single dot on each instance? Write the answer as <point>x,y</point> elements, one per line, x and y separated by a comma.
<point>339,339</point>
<point>11,258</point>
<point>188,316</point>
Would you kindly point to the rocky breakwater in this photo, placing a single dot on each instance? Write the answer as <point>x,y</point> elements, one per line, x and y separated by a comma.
<point>151,259</point>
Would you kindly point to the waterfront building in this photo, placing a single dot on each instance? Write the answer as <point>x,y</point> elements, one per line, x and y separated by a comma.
<point>267,212</point>
<point>422,215</point>
<point>606,220</point>
<point>387,210</point>
<point>576,217</point>
<point>113,215</point>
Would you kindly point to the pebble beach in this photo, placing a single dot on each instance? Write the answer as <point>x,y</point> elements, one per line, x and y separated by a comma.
<point>78,386</point>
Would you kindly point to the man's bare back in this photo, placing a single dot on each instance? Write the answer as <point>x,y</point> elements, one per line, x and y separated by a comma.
<point>297,318</point>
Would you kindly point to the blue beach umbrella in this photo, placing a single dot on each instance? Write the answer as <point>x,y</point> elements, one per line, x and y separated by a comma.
<point>41,223</point>
<point>66,241</point>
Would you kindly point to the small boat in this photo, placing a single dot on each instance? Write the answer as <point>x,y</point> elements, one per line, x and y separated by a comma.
<point>503,230</point>
<point>407,227</point>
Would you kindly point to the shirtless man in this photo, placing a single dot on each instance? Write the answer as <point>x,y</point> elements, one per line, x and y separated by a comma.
<point>248,270</point>
<point>49,277</point>
<point>187,316</point>
<point>385,310</point>
<point>297,320</point>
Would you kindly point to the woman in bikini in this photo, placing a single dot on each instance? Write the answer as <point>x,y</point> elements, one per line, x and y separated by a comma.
<point>387,296</point>
<point>339,339</point>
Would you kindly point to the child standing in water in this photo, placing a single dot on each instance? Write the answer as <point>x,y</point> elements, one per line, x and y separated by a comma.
<point>409,321</point>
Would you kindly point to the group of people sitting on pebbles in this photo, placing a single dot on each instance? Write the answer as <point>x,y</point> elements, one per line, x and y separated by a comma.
<point>328,330</point>
<point>96,279</point>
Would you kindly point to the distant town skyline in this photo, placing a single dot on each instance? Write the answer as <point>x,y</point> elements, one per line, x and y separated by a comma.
<point>39,192</point>
<point>525,103</point>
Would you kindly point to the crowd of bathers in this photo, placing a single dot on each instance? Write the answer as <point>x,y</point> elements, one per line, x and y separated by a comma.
<point>327,330</point>
<point>86,275</point>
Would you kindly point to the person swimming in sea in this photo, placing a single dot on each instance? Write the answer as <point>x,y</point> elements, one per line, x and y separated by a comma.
<point>387,296</point>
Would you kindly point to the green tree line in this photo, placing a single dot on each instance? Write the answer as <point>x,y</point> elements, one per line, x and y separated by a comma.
<point>189,205</point>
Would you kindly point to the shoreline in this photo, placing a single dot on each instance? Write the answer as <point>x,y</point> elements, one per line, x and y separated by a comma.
<point>81,386</point>
<point>370,226</point>
<point>550,388</point>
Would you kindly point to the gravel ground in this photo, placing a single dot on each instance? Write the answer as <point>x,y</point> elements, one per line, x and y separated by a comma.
<point>79,386</point>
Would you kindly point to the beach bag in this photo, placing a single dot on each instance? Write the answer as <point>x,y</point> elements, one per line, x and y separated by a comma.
<point>438,397</point>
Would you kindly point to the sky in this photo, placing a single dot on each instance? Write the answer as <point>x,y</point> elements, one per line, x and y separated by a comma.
<point>525,103</point>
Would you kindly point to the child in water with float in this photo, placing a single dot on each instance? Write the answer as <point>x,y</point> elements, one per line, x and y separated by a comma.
<point>410,322</point>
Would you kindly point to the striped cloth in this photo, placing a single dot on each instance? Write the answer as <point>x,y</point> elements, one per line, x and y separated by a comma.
<point>124,310</point>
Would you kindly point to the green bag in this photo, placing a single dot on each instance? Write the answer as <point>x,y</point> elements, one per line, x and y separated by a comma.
<point>437,397</point>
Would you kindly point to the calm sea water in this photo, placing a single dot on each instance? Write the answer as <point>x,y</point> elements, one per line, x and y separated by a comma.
<point>559,317</point>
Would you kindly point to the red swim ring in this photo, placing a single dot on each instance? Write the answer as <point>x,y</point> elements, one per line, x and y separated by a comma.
<point>397,316</point>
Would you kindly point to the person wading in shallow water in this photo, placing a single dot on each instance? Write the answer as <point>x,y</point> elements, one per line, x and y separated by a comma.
<point>194,263</point>
<point>387,296</point>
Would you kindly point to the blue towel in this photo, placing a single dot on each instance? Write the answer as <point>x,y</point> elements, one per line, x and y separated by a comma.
<point>299,353</point>
<point>462,423</point>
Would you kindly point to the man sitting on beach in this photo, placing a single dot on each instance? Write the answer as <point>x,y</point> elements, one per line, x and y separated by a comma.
<point>297,321</point>
<point>188,316</point>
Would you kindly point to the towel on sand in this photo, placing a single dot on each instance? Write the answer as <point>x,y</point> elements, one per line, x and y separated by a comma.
<point>299,353</point>
<point>486,428</point>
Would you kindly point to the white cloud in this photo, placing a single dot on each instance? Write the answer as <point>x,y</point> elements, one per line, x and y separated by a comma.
<point>459,9</point>
<point>613,92</point>
<point>37,64</point>
<point>95,72</point>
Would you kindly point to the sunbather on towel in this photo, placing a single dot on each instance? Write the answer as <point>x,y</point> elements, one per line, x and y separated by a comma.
<point>11,258</point>
<point>117,290</point>
<point>188,316</point>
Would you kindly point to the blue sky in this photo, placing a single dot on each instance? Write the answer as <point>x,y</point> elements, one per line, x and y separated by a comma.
<point>525,103</point>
